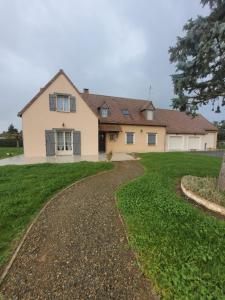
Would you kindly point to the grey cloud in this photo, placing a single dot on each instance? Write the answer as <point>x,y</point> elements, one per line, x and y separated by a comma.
<point>112,47</point>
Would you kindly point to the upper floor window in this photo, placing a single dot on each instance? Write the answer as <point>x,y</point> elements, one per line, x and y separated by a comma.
<point>63,103</point>
<point>130,137</point>
<point>104,112</point>
<point>125,112</point>
<point>149,114</point>
<point>151,138</point>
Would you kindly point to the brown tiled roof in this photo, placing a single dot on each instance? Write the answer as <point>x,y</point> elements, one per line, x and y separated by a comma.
<point>180,122</point>
<point>175,121</point>
<point>116,105</point>
<point>109,128</point>
<point>43,89</point>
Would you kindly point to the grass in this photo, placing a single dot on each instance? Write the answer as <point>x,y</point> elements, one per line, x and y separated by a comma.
<point>10,151</point>
<point>180,248</point>
<point>25,189</point>
<point>205,187</point>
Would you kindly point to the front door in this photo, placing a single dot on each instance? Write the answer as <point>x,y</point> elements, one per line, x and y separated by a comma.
<point>101,141</point>
<point>64,143</point>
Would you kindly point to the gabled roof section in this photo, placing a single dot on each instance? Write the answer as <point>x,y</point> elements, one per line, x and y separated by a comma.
<point>148,106</point>
<point>176,122</point>
<point>60,72</point>
<point>116,105</point>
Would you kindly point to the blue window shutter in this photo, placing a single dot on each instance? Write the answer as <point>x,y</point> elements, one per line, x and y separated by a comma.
<point>52,102</point>
<point>72,104</point>
<point>50,142</point>
<point>76,143</point>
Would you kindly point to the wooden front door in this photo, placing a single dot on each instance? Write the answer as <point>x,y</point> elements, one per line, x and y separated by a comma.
<point>101,141</point>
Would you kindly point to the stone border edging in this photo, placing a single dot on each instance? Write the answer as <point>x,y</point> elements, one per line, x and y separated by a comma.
<point>11,261</point>
<point>208,204</point>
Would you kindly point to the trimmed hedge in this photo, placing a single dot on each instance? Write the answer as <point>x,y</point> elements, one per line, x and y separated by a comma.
<point>10,143</point>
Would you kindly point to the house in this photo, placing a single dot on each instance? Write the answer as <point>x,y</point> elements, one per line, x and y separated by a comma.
<point>60,120</point>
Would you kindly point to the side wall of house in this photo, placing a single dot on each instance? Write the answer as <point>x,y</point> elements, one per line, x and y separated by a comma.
<point>187,142</point>
<point>140,140</point>
<point>38,118</point>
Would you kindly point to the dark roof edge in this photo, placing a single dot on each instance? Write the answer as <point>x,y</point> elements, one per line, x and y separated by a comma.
<point>132,124</point>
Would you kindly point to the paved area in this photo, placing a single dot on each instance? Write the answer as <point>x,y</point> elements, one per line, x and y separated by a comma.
<point>21,160</point>
<point>78,247</point>
<point>212,153</point>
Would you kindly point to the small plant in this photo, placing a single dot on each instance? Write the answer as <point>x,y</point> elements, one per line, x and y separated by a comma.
<point>205,187</point>
<point>109,156</point>
<point>135,155</point>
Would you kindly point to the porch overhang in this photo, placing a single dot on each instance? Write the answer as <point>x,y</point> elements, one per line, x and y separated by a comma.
<point>109,128</point>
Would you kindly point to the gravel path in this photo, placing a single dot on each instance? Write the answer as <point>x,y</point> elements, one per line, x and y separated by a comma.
<point>78,247</point>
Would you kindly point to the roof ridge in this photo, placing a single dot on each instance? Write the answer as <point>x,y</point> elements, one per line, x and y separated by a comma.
<point>119,97</point>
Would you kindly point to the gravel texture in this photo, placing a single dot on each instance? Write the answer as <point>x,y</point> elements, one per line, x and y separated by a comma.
<point>78,248</point>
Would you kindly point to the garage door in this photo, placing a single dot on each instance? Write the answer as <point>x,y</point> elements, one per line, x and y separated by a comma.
<point>194,143</point>
<point>175,143</point>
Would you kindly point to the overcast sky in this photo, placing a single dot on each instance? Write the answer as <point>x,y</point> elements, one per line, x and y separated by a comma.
<point>114,47</point>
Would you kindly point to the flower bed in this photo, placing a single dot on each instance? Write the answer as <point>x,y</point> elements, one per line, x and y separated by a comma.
<point>204,187</point>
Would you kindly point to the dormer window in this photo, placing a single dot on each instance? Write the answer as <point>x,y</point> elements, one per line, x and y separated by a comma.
<point>125,112</point>
<point>149,114</point>
<point>104,112</point>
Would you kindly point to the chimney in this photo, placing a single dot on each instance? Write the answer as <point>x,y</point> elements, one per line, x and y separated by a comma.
<point>86,91</point>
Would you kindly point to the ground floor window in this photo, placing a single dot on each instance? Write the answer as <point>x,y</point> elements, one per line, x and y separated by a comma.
<point>151,138</point>
<point>64,141</point>
<point>129,138</point>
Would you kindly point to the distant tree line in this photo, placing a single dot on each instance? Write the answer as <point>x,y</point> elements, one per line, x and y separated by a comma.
<point>11,138</point>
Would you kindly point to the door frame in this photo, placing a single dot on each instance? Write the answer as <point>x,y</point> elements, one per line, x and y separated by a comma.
<point>100,148</point>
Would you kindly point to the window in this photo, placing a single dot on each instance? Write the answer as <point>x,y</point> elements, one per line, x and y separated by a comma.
<point>125,112</point>
<point>104,112</point>
<point>130,138</point>
<point>63,103</point>
<point>64,140</point>
<point>151,138</point>
<point>150,115</point>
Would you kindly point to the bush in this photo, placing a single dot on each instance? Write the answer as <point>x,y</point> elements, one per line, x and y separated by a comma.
<point>10,143</point>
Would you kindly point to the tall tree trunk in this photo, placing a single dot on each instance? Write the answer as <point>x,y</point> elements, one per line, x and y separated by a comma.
<point>17,143</point>
<point>221,181</point>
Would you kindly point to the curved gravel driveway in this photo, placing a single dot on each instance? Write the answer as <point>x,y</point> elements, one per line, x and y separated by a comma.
<point>78,247</point>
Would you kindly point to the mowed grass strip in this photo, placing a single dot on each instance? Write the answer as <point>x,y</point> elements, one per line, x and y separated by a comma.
<point>181,249</point>
<point>10,151</point>
<point>25,189</point>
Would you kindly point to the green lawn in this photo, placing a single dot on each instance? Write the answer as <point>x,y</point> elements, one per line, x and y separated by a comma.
<point>180,248</point>
<point>24,190</point>
<point>12,151</point>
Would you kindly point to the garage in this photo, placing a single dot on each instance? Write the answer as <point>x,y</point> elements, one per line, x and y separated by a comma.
<point>175,143</point>
<point>194,143</point>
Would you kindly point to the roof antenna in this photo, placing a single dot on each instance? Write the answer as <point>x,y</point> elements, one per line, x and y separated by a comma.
<point>149,92</point>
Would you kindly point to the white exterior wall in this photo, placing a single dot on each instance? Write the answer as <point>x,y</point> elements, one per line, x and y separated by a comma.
<point>206,142</point>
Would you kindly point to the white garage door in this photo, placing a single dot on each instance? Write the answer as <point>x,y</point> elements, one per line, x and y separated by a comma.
<point>175,143</point>
<point>194,143</point>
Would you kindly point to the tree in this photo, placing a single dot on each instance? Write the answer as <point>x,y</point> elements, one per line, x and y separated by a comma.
<point>12,129</point>
<point>200,65</point>
<point>221,130</point>
<point>13,134</point>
